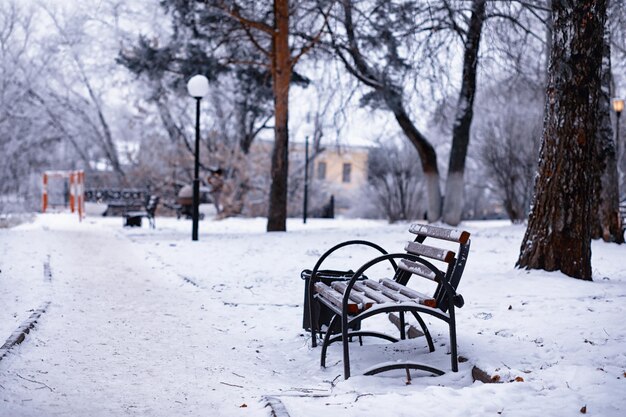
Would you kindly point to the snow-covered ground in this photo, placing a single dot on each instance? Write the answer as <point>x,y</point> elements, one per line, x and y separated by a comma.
<point>146,322</point>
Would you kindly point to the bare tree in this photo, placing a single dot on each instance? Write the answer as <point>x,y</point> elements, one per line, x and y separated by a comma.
<point>76,100</point>
<point>395,181</point>
<point>29,141</point>
<point>509,141</point>
<point>365,42</point>
<point>273,37</point>
<point>453,202</point>
<point>509,156</point>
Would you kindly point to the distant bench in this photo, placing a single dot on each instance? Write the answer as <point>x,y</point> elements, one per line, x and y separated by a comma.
<point>131,203</point>
<point>118,201</point>
<point>133,218</point>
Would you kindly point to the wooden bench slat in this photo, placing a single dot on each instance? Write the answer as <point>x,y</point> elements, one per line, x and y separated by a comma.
<point>366,293</point>
<point>373,294</point>
<point>432,252</point>
<point>453,235</point>
<point>335,297</point>
<point>396,296</point>
<point>356,296</point>
<point>409,292</point>
<point>417,269</point>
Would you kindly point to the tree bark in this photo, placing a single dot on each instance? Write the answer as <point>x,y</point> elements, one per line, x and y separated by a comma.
<point>281,76</point>
<point>605,212</point>
<point>453,202</point>
<point>558,236</point>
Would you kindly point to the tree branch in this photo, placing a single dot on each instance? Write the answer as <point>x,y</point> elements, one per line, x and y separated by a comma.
<point>233,12</point>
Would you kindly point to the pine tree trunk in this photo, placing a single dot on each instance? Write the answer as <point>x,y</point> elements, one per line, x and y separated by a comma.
<point>558,236</point>
<point>453,202</point>
<point>281,76</point>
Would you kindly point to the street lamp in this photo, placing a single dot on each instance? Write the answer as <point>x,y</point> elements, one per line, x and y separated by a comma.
<point>197,87</point>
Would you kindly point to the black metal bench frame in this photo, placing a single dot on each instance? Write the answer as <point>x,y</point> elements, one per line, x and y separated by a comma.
<point>440,305</point>
<point>133,218</point>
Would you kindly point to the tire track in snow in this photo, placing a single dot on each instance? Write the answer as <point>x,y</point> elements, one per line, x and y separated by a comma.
<point>47,271</point>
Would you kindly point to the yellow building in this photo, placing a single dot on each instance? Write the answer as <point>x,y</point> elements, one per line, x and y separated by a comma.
<point>337,171</point>
<point>342,168</point>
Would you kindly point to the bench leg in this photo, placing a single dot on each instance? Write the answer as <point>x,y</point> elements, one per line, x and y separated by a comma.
<point>312,318</point>
<point>132,221</point>
<point>327,339</point>
<point>453,351</point>
<point>429,339</point>
<point>346,347</point>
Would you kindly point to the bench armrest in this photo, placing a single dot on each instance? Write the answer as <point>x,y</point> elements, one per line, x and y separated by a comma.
<point>313,278</point>
<point>453,296</point>
<point>326,254</point>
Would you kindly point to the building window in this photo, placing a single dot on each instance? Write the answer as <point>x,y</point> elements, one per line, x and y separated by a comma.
<point>347,170</point>
<point>321,171</point>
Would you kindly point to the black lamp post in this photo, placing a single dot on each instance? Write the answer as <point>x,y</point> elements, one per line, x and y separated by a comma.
<point>198,87</point>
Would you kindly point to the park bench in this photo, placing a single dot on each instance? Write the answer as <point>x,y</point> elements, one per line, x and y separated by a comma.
<point>118,201</point>
<point>133,218</point>
<point>355,296</point>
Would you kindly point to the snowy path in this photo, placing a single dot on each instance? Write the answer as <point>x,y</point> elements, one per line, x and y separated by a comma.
<point>124,334</point>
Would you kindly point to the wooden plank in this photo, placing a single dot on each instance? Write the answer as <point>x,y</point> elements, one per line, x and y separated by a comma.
<point>373,294</point>
<point>453,235</point>
<point>432,252</point>
<point>417,269</point>
<point>355,295</point>
<point>396,296</point>
<point>335,297</point>
<point>409,292</point>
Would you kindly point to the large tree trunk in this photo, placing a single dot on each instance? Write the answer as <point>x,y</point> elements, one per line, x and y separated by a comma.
<point>281,75</point>
<point>605,211</point>
<point>558,236</point>
<point>453,202</point>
